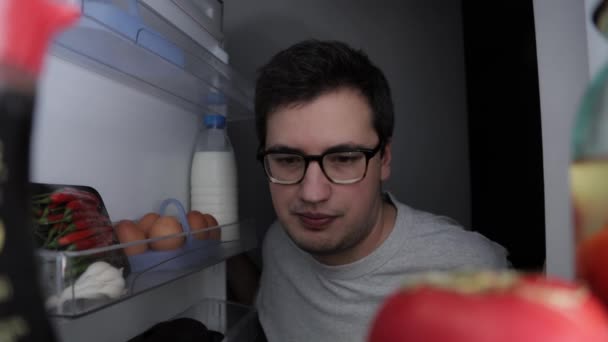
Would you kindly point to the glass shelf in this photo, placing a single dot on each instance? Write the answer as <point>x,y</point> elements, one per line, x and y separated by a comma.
<point>119,44</point>
<point>62,272</point>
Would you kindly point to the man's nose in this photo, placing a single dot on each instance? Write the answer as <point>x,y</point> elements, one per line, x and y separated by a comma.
<point>315,187</point>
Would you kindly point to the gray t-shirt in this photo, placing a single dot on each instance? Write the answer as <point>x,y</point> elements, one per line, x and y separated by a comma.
<point>302,300</point>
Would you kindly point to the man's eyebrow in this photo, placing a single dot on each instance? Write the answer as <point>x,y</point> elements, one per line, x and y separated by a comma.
<point>344,148</point>
<point>283,149</point>
<point>335,148</point>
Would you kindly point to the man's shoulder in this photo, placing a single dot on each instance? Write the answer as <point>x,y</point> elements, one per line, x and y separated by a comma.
<point>274,234</point>
<point>442,240</point>
<point>276,242</point>
<point>423,223</point>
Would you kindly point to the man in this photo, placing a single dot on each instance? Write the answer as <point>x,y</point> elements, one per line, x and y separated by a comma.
<point>324,117</point>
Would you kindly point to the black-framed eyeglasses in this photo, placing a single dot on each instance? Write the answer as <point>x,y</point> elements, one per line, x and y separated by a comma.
<point>341,165</point>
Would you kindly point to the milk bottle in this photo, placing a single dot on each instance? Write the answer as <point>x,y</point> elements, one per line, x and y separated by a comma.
<point>213,182</point>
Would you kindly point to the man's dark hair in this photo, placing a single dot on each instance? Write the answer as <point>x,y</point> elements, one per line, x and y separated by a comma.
<point>312,68</point>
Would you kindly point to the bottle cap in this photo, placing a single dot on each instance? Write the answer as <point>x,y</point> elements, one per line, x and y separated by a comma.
<point>27,26</point>
<point>214,121</point>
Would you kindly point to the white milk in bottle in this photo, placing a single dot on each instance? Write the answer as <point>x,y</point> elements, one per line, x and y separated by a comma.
<point>213,178</point>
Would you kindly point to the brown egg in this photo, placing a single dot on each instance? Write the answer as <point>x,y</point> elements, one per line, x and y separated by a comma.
<point>213,234</point>
<point>127,231</point>
<point>146,222</point>
<point>163,226</point>
<point>197,221</point>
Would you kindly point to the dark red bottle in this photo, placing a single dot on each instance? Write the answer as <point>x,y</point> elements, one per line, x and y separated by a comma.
<point>25,29</point>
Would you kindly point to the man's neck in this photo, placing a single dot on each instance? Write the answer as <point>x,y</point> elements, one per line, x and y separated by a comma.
<point>384,225</point>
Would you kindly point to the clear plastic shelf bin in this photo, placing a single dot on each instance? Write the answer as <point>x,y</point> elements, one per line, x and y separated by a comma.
<point>69,295</point>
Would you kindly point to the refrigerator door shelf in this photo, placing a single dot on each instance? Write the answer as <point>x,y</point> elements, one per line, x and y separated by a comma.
<point>162,61</point>
<point>200,20</point>
<point>238,323</point>
<point>207,13</point>
<point>232,321</point>
<point>130,25</point>
<point>61,270</point>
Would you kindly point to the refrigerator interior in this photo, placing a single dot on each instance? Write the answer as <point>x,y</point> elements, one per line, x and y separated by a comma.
<point>118,109</point>
<point>121,116</point>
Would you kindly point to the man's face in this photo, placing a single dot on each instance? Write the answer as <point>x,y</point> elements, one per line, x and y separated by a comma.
<point>329,220</point>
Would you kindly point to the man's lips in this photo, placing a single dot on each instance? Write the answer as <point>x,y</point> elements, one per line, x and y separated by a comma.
<point>315,220</point>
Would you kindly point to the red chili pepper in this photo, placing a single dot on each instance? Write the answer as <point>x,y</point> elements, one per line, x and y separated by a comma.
<point>74,205</point>
<point>91,222</point>
<point>87,214</point>
<point>37,212</point>
<point>53,206</point>
<point>52,218</point>
<point>67,216</point>
<point>58,197</point>
<point>81,205</point>
<point>55,231</point>
<point>57,209</point>
<point>95,241</point>
<point>84,195</point>
<point>65,195</point>
<point>82,234</point>
<point>88,224</point>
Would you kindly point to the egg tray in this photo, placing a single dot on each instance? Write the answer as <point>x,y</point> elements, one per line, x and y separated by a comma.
<point>185,257</point>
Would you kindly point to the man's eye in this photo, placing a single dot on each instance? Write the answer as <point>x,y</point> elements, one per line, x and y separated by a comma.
<point>287,160</point>
<point>345,157</point>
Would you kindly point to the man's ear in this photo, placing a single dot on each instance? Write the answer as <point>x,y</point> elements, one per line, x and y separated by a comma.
<point>385,166</point>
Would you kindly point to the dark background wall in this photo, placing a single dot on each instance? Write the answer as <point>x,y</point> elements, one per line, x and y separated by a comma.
<point>420,46</point>
<point>505,138</point>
